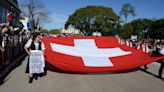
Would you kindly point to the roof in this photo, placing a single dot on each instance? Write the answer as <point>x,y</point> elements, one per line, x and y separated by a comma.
<point>15,4</point>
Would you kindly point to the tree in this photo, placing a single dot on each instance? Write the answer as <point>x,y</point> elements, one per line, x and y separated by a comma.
<point>44,31</point>
<point>156,30</point>
<point>141,26</point>
<point>34,10</point>
<point>126,10</point>
<point>55,31</point>
<point>93,18</point>
<point>126,31</point>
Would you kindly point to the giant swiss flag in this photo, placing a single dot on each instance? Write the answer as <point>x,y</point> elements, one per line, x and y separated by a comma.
<point>93,54</point>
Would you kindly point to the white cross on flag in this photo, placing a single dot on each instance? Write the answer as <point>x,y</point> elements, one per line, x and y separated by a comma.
<point>93,54</point>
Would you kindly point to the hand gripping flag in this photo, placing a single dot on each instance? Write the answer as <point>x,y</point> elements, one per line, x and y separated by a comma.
<point>93,54</point>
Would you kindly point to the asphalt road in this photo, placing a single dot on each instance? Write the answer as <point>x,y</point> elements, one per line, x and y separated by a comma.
<point>136,81</point>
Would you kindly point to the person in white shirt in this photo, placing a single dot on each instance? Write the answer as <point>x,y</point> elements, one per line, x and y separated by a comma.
<point>34,44</point>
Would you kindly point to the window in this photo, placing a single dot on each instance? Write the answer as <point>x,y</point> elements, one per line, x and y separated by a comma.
<point>4,7</point>
<point>3,14</point>
<point>0,13</point>
<point>14,17</point>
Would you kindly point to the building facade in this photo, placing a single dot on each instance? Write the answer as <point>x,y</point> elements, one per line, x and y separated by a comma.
<point>5,6</point>
<point>70,31</point>
<point>24,22</point>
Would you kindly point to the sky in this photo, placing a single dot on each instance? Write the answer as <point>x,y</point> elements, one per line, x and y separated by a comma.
<point>61,9</point>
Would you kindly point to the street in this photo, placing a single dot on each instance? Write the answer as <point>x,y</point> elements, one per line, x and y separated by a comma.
<point>136,81</point>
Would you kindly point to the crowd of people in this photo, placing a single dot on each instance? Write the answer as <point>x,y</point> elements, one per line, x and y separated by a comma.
<point>12,37</point>
<point>153,46</point>
<point>6,32</point>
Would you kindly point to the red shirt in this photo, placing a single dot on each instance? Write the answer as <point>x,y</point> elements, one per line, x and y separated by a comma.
<point>9,17</point>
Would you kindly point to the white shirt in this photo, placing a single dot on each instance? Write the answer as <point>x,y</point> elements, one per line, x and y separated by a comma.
<point>162,51</point>
<point>28,44</point>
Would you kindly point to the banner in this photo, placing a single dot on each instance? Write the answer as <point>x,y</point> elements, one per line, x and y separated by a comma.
<point>93,54</point>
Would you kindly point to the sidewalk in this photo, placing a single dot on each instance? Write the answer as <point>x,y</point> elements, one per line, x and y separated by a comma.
<point>137,81</point>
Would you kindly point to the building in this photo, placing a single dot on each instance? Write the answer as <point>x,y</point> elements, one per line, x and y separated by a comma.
<point>24,22</point>
<point>70,31</point>
<point>96,34</point>
<point>12,5</point>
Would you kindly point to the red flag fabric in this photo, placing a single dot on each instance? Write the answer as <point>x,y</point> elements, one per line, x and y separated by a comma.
<point>93,54</point>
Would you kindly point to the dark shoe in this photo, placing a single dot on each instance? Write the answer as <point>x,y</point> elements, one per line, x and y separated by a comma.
<point>36,77</point>
<point>30,79</point>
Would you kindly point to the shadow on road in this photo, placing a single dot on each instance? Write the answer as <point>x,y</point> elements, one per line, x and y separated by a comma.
<point>52,68</point>
<point>4,80</point>
<point>150,73</point>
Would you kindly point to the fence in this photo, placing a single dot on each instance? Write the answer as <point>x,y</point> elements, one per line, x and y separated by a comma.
<point>12,47</point>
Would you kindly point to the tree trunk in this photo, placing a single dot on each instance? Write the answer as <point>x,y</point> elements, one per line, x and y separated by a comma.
<point>126,17</point>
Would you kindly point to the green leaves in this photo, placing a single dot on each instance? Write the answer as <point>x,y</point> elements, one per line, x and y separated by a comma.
<point>143,28</point>
<point>44,31</point>
<point>126,31</point>
<point>54,31</point>
<point>156,30</point>
<point>93,18</point>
